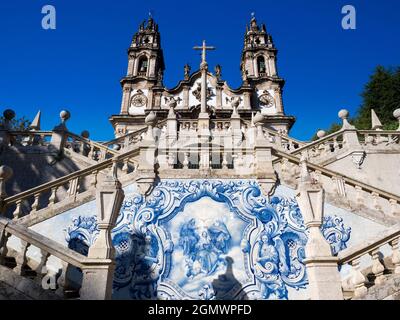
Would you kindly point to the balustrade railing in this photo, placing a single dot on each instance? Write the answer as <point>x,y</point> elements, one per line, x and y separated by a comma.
<point>65,188</point>
<point>323,148</point>
<point>368,264</point>
<point>30,138</point>
<point>88,148</point>
<point>39,268</point>
<point>345,188</point>
<point>377,139</point>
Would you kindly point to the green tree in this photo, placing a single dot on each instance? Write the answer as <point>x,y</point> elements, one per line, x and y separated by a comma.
<point>20,124</point>
<point>381,93</point>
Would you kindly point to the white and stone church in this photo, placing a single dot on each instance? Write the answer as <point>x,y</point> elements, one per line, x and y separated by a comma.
<point>202,195</point>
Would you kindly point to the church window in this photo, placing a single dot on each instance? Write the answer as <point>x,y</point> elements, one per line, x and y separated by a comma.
<point>261,64</point>
<point>143,63</point>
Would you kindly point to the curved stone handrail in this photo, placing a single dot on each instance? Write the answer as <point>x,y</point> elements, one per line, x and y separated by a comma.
<point>93,146</point>
<point>376,266</point>
<point>387,236</point>
<point>48,248</point>
<point>333,174</point>
<point>121,140</point>
<point>72,180</point>
<point>316,143</point>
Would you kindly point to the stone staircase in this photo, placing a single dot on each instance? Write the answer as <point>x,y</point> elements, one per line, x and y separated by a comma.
<point>380,279</point>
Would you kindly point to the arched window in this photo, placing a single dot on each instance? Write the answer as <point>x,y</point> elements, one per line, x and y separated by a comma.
<point>143,64</point>
<point>261,65</point>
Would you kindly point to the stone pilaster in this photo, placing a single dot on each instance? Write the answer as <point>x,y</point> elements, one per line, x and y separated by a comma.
<point>59,135</point>
<point>321,266</point>
<point>147,156</point>
<point>98,276</point>
<point>264,169</point>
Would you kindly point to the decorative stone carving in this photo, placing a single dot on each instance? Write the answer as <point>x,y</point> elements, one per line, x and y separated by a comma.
<point>218,70</point>
<point>261,237</point>
<point>187,69</point>
<point>197,92</point>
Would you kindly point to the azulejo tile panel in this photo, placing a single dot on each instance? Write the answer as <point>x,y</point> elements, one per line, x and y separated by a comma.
<point>208,239</point>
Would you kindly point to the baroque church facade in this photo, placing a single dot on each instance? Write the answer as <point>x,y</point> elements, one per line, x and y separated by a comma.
<point>202,195</point>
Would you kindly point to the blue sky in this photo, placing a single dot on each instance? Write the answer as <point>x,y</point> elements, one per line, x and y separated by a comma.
<point>78,66</point>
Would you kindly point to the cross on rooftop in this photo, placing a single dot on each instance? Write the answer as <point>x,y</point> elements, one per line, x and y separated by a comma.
<point>204,48</point>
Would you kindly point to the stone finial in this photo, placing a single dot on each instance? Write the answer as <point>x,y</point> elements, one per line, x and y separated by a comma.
<point>258,119</point>
<point>35,125</point>
<point>344,115</point>
<point>65,115</point>
<point>9,114</point>
<point>396,114</point>
<point>5,173</point>
<point>151,119</point>
<point>85,134</point>
<point>321,134</point>
<point>376,124</point>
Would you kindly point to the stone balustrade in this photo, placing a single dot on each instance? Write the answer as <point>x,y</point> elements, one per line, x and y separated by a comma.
<point>219,158</point>
<point>351,193</point>
<point>281,141</point>
<point>30,138</point>
<point>65,188</point>
<point>24,266</point>
<point>323,148</point>
<point>88,148</point>
<point>131,139</point>
<point>369,265</point>
<point>379,139</point>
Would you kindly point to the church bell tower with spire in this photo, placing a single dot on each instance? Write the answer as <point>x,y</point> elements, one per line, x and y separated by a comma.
<point>142,86</point>
<point>259,70</point>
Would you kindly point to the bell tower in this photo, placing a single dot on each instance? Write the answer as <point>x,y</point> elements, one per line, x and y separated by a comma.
<point>259,71</point>
<point>145,53</point>
<point>259,53</point>
<point>142,86</point>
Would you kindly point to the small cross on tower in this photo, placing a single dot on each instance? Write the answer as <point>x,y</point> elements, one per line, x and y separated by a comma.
<point>204,48</point>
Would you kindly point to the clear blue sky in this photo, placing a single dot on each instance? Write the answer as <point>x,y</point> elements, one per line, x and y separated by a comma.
<point>78,66</point>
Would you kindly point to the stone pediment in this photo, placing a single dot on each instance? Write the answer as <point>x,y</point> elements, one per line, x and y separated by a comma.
<point>219,94</point>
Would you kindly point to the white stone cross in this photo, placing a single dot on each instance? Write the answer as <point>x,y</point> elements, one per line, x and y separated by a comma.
<point>204,48</point>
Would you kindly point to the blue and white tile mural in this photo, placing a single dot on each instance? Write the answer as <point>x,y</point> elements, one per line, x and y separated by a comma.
<point>208,239</point>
